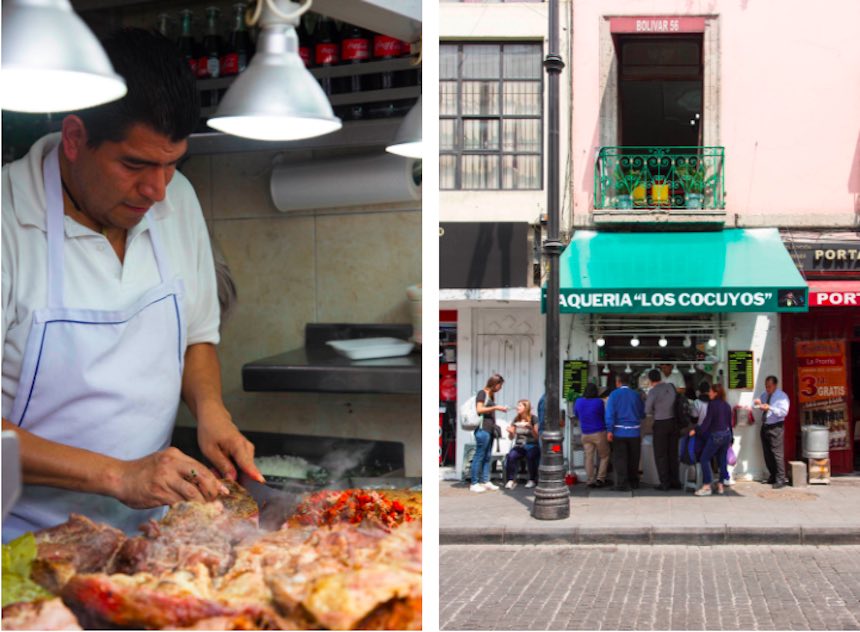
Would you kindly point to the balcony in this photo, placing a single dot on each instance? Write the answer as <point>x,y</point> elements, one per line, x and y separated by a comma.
<point>659,185</point>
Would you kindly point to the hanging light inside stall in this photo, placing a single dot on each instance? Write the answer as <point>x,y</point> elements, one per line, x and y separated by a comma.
<point>662,342</point>
<point>634,341</point>
<point>627,369</point>
<point>712,342</point>
<point>687,342</point>
<point>407,141</point>
<point>601,341</point>
<point>276,98</point>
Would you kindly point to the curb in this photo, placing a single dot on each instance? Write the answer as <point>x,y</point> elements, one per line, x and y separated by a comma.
<point>685,536</point>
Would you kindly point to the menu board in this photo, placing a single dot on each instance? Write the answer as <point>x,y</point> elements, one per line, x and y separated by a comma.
<point>741,370</point>
<point>575,376</point>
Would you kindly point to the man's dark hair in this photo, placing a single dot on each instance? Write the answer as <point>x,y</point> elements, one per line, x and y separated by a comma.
<point>771,378</point>
<point>590,391</point>
<point>704,388</point>
<point>162,92</point>
<point>623,378</point>
<point>654,375</point>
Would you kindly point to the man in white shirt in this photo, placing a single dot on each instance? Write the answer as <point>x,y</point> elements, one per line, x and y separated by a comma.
<point>110,309</point>
<point>774,405</point>
<point>673,378</point>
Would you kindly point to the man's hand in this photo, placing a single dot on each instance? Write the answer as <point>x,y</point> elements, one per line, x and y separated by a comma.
<point>165,478</point>
<point>609,437</point>
<point>225,447</point>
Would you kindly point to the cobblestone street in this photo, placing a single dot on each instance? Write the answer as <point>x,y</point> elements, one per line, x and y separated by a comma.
<point>649,587</point>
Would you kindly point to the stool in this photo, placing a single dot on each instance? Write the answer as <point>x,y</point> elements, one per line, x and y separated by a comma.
<point>684,473</point>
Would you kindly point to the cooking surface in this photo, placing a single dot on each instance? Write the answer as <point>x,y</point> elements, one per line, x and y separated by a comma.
<point>318,368</point>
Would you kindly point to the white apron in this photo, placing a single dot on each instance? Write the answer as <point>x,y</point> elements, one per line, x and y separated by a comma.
<point>106,381</point>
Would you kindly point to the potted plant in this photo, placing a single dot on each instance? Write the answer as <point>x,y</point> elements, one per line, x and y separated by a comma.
<point>623,199</point>
<point>659,191</point>
<point>695,186</point>
<point>637,185</point>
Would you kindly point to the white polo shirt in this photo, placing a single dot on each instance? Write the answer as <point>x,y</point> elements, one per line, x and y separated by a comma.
<point>94,276</point>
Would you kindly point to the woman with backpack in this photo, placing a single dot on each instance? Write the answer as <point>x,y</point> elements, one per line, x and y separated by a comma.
<point>524,431</point>
<point>485,433</point>
<point>718,426</point>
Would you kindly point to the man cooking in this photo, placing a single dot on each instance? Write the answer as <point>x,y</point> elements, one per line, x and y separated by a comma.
<point>110,311</point>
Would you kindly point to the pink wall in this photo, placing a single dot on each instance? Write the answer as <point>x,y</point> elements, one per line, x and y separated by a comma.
<point>789,104</point>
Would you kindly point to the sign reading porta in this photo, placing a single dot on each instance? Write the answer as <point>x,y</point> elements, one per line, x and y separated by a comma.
<point>583,301</point>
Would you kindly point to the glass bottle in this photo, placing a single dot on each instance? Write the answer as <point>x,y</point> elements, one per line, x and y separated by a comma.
<point>186,43</point>
<point>326,51</point>
<point>239,48</point>
<point>212,43</point>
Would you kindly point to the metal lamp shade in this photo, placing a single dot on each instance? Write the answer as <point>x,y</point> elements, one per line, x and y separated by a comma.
<point>51,61</point>
<point>407,142</point>
<point>276,98</point>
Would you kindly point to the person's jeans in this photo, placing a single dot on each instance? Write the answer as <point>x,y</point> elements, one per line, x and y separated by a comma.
<point>596,442</point>
<point>718,444</point>
<point>532,455</point>
<point>481,460</point>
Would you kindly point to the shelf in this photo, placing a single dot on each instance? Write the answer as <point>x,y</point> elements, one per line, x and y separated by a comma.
<point>353,134</point>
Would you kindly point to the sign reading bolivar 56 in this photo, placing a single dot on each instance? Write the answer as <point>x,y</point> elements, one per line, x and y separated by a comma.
<point>578,301</point>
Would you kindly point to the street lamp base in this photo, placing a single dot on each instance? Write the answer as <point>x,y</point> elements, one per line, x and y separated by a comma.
<point>551,504</point>
<point>552,497</point>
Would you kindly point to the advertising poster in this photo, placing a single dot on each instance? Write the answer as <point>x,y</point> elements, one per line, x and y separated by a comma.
<point>822,381</point>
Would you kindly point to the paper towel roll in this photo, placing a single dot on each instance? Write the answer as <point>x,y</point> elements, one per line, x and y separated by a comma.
<point>356,181</point>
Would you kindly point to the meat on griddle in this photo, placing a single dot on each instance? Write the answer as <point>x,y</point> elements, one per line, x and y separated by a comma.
<point>191,533</point>
<point>45,614</point>
<point>79,545</point>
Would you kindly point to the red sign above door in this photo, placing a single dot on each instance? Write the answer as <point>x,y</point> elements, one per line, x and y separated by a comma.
<point>834,294</point>
<point>657,25</point>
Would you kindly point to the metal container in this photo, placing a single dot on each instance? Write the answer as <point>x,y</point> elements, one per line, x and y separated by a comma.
<point>816,442</point>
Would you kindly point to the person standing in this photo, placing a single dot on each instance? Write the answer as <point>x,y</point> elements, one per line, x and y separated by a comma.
<point>774,405</point>
<point>485,433</point>
<point>718,427</point>
<point>591,412</point>
<point>660,403</point>
<point>624,414</point>
<point>670,376</point>
<point>110,309</point>
<point>524,431</point>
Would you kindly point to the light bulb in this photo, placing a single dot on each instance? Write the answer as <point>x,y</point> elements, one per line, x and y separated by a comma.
<point>605,369</point>
<point>692,370</point>
<point>634,341</point>
<point>675,370</point>
<point>627,369</point>
<point>687,341</point>
<point>662,342</point>
<point>601,341</point>
<point>712,342</point>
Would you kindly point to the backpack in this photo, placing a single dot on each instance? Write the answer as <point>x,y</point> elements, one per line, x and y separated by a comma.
<point>469,418</point>
<point>682,412</point>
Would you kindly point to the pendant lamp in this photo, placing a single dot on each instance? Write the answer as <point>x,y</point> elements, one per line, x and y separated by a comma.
<point>52,62</point>
<point>407,141</point>
<point>276,98</point>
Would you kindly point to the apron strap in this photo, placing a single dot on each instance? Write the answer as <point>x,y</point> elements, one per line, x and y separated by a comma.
<point>55,226</point>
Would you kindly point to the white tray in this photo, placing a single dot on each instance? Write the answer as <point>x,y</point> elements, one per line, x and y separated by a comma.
<point>367,348</point>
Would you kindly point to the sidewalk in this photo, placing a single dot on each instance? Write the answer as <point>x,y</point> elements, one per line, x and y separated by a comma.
<point>748,513</point>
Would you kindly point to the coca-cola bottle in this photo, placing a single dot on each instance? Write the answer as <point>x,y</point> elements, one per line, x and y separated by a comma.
<point>239,48</point>
<point>355,49</point>
<point>326,51</point>
<point>384,48</point>
<point>186,43</point>
<point>209,64</point>
<point>304,43</point>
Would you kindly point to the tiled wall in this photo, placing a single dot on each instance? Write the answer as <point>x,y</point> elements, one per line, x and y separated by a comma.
<point>337,265</point>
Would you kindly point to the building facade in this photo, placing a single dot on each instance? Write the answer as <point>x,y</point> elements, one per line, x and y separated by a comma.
<point>711,171</point>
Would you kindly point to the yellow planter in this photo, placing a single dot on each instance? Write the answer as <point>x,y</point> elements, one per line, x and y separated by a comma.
<point>639,195</point>
<point>660,194</point>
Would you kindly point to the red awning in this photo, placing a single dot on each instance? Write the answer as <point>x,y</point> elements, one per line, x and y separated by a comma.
<point>834,294</point>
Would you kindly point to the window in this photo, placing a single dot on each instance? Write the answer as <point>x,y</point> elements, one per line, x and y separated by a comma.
<point>490,116</point>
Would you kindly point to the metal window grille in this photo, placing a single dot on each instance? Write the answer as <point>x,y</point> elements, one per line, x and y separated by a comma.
<point>491,116</point>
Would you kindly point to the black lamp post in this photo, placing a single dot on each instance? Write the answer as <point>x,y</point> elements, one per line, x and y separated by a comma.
<point>552,499</point>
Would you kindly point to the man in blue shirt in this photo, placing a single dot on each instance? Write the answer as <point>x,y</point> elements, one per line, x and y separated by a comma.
<point>774,405</point>
<point>624,413</point>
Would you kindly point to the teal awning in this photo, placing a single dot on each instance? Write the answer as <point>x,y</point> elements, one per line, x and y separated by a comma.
<point>736,270</point>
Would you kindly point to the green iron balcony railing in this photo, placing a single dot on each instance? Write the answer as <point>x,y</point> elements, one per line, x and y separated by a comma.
<point>659,178</point>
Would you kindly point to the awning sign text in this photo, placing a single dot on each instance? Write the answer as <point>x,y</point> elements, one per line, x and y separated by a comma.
<point>574,301</point>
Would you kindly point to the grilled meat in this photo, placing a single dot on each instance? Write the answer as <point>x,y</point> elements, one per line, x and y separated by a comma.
<point>47,614</point>
<point>79,545</point>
